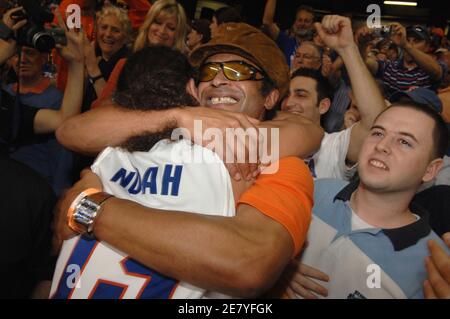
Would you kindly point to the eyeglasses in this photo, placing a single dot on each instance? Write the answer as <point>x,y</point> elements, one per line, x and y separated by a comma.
<point>233,71</point>
<point>306,56</point>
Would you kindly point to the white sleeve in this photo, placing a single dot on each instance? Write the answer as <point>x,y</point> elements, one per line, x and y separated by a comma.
<point>99,159</point>
<point>333,152</point>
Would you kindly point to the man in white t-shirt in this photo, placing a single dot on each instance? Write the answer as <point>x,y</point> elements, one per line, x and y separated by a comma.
<point>310,94</point>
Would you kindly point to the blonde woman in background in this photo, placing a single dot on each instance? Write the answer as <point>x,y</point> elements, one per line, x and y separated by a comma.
<point>165,24</point>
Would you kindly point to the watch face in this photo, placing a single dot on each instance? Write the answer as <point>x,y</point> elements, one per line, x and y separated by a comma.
<point>85,212</point>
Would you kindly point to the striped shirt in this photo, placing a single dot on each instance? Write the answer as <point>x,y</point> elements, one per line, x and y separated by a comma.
<point>396,77</point>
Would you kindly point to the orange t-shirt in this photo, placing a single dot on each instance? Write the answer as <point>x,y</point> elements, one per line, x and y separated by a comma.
<point>111,84</point>
<point>39,88</point>
<point>285,196</point>
<point>137,12</point>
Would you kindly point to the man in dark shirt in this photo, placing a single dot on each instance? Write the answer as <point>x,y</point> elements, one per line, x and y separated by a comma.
<point>26,207</point>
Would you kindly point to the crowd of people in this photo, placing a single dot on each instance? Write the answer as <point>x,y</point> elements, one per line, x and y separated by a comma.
<point>104,200</point>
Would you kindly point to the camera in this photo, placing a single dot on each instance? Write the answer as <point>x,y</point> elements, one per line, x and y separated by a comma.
<point>34,34</point>
<point>384,31</point>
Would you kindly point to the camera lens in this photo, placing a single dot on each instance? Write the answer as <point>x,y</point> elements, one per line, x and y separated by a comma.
<point>43,41</point>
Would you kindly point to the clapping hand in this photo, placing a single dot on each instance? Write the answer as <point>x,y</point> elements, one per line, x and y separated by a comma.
<point>73,51</point>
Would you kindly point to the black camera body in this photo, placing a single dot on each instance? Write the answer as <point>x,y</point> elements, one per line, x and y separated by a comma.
<point>34,34</point>
<point>384,31</point>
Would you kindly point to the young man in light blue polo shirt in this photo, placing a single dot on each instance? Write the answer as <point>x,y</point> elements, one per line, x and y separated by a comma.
<point>367,240</point>
<point>367,237</point>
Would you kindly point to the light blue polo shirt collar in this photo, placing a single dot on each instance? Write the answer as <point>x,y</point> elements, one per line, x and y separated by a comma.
<point>401,238</point>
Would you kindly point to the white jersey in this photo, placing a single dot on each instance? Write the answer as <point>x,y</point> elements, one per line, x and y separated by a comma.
<point>166,178</point>
<point>329,160</point>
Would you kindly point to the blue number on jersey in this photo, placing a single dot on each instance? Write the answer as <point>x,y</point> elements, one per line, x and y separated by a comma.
<point>157,285</point>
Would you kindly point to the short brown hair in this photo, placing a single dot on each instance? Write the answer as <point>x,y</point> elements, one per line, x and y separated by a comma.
<point>440,130</point>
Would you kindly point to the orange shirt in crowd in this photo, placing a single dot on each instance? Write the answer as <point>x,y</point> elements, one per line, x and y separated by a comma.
<point>111,84</point>
<point>39,88</point>
<point>290,199</point>
<point>137,12</point>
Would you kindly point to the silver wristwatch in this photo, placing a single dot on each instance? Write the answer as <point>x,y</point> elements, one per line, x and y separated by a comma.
<point>85,211</point>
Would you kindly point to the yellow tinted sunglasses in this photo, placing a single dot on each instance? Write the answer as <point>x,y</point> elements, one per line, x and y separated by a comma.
<point>232,70</point>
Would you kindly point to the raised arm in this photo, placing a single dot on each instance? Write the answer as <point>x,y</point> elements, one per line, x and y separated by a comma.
<point>92,68</point>
<point>372,64</point>
<point>361,39</point>
<point>336,32</point>
<point>425,62</point>
<point>268,18</point>
<point>298,136</point>
<point>110,125</point>
<point>8,46</point>
<point>47,120</point>
<point>7,50</point>
<point>422,59</point>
